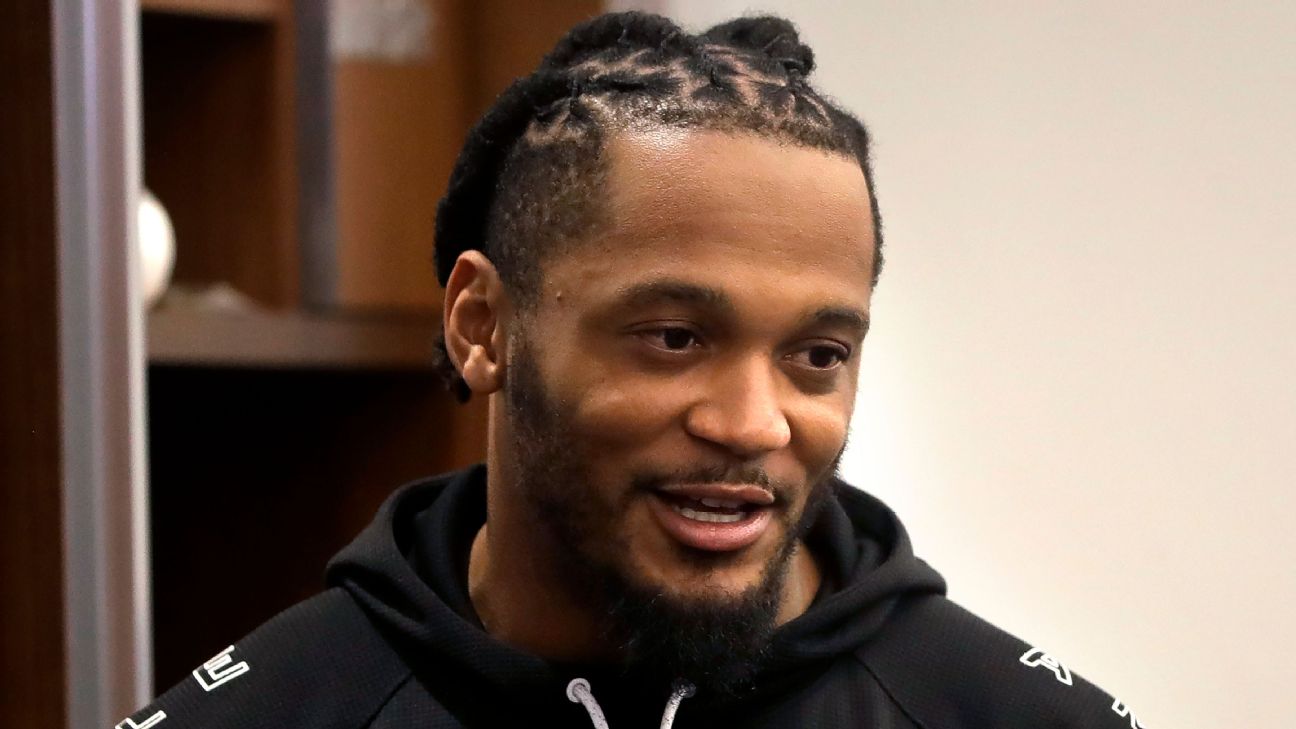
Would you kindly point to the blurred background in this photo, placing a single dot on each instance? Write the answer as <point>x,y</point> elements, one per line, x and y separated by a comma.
<point>1078,391</point>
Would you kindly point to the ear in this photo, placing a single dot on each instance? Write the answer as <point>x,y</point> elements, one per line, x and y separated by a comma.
<point>474,320</point>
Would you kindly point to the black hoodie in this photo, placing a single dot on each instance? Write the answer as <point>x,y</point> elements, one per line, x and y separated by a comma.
<point>395,643</point>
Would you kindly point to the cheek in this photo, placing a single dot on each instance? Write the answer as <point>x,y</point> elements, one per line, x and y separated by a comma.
<point>624,418</point>
<point>819,429</point>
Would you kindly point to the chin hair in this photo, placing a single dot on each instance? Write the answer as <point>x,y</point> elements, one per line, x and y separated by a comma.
<point>717,641</point>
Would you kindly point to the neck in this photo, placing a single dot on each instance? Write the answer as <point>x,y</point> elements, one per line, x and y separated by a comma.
<point>800,586</point>
<point>519,597</point>
<point>515,574</point>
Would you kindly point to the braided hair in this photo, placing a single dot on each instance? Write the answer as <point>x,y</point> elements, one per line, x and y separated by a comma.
<point>527,181</point>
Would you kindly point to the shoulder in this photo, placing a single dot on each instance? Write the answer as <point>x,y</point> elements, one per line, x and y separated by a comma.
<point>319,664</point>
<point>947,667</point>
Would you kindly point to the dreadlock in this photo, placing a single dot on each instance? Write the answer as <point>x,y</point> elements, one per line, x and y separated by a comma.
<point>527,181</point>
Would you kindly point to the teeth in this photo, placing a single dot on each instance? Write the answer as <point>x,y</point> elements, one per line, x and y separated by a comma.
<point>708,516</point>
<point>719,504</point>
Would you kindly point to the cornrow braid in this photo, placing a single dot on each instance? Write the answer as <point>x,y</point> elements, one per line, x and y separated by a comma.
<point>527,183</point>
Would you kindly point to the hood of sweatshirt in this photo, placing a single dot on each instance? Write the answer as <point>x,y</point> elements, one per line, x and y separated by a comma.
<point>408,570</point>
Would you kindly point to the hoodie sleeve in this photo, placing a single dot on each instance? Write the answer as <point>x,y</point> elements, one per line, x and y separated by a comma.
<point>946,668</point>
<point>319,664</point>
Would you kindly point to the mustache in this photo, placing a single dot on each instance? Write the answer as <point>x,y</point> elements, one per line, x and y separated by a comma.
<point>734,474</point>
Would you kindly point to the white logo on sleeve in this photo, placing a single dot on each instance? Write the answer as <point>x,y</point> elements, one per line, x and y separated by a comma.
<point>1122,710</point>
<point>220,670</point>
<point>1036,658</point>
<point>154,720</point>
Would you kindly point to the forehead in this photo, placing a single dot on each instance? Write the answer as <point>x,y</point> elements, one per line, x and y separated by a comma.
<point>696,185</point>
<point>731,211</point>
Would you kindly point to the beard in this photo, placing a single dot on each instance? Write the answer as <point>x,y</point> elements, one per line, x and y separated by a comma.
<point>718,639</point>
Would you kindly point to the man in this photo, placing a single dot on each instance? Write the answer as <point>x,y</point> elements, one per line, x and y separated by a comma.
<point>658,252</point>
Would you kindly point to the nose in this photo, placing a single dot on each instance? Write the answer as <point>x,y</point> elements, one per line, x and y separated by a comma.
<point>742,410</point>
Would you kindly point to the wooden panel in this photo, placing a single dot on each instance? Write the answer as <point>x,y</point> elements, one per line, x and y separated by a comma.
<point>398,126</point>
<point>31,556</point>
<point>234,9</point>
<point>290,340</point>
<point>511,36</point>
<point>218,149</point>
<point>260,477</point>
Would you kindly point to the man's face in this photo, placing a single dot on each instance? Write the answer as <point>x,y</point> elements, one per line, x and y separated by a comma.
<point>704,345</point>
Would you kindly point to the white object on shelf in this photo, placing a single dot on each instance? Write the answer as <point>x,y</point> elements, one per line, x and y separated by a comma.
<point>157,247</point>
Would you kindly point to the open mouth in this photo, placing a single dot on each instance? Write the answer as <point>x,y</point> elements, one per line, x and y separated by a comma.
<point>712,511</point>
<point>713,517</point>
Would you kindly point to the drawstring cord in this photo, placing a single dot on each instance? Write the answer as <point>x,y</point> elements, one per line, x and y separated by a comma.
<point>683,690</point>
<point>578,692</point>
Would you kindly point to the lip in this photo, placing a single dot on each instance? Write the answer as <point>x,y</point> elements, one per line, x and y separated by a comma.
<point>745,493</point>
<point>711,536</point>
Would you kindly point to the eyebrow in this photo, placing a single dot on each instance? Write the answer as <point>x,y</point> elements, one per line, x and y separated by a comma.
<point>683,292</point>
<point>847,317</point>
<point>673,290</point>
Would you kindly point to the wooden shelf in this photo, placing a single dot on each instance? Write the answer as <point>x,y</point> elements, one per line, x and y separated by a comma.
<point>290,340</point>
<point>263,10</point>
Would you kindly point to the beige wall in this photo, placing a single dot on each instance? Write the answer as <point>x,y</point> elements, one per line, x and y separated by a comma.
<point>1079,390</point>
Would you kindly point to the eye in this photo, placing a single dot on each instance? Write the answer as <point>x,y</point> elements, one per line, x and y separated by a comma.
<point>672,339</point>
<point>822,357</point>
